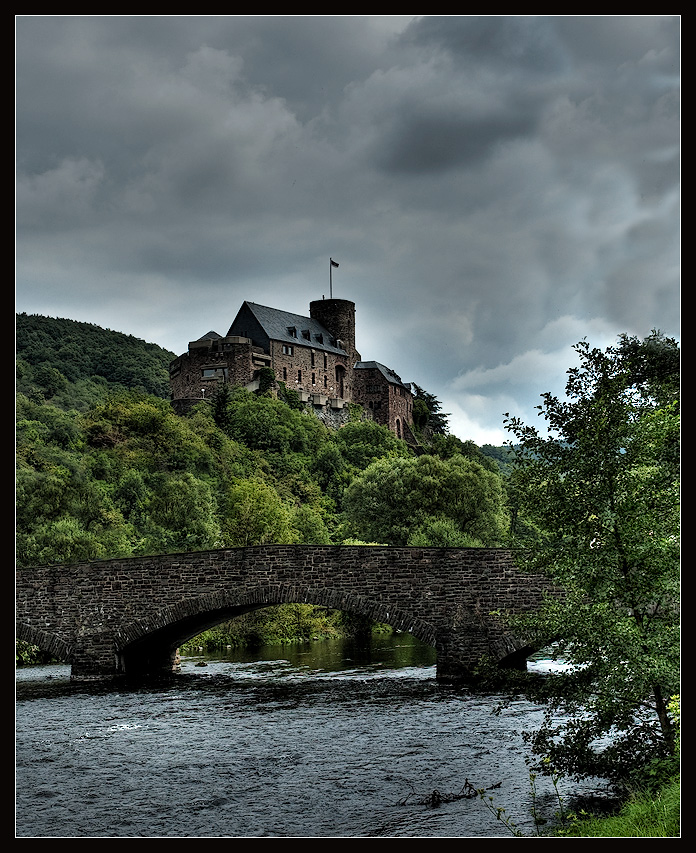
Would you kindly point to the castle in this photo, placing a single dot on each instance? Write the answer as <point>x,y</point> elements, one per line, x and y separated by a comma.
<point>314,356</point>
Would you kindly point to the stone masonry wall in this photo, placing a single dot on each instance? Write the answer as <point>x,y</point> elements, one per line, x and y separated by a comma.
<point>95,611</point>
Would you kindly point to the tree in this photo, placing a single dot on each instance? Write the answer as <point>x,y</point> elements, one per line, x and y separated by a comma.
<point>255,515</point>
<point>221,407</point>
<point>427,412</point>
<point>599,496</point>
<point>394,500</point>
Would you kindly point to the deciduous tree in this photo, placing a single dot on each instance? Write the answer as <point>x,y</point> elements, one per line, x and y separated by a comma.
<point>599,493</point>
<point>394,499</point>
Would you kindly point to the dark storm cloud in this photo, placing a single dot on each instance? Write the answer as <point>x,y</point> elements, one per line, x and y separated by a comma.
<point>527,44</point>
<point>495,188</point>
<point>437,140</point>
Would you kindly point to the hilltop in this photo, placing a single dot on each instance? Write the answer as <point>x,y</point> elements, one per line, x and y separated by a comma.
<point>73,364</point>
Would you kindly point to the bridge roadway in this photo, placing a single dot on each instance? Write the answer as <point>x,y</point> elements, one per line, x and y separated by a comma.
<point>129,616</point>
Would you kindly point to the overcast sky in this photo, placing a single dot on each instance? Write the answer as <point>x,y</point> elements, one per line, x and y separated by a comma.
<point>493,188</point>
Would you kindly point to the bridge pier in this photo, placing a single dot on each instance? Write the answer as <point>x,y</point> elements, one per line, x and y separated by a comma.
<point>93,661</point>
<point>462,647</point>
<point>97,659</point>
<point>142,660</point>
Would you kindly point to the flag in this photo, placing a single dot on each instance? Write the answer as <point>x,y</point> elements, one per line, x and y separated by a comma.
<point>333,262</point>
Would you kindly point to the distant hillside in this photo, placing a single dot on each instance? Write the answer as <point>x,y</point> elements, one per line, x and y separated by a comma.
<point>72,363</point>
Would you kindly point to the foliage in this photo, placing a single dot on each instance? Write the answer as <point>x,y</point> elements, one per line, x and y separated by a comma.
<point>504,457</point>
<point>268,425</point>
<point>439,532</point>
<point>267,379</point>
<point>599,496</point>
<point>254,514</point>
<point>282,624</point>
<point>428,416</point>
<point>362,442</point>
<point>290,397</point>
<point>645,815</point>
<point>394,499</point>
<point>447,446</point>
<point>27,654</point>
<point>57,353</point>
<point>221,406</point>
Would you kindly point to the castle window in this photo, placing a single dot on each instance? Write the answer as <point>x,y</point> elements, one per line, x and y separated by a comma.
<point>312,357</point>
<point>314,379</point>
<point>305,334</point>
<point>299,376</point>
<point>326,382</point>
<point>287,350</point>
<point>285,374</point>
<point>326,361</point>
<point>292,331</point>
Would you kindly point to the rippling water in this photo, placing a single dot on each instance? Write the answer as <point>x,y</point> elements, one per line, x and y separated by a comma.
<point>323,741</point>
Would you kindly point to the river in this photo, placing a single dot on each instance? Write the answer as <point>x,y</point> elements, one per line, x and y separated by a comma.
<point>326,740</point>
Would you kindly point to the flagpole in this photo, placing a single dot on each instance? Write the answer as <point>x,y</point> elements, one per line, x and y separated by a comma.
<point>332,264</point>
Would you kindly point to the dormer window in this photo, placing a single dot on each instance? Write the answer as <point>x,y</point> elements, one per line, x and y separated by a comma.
<point>292,331</point>
<point>305,334</point>
<point>320,338</point>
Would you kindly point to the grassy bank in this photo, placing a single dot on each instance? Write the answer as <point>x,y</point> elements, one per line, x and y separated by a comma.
<point>643,816</point>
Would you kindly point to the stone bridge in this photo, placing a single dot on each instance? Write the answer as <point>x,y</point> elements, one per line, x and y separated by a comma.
<point>129,616</point>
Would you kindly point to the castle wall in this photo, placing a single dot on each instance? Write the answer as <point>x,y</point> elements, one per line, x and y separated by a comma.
<point>315,371</point>
<point>197,373</point>
<point>391,404</point>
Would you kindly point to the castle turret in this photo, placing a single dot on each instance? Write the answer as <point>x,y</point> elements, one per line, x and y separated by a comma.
<point>338,316</point>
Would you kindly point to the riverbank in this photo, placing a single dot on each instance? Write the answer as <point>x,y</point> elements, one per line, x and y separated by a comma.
<point>281,625</point>
<point>645,815</point>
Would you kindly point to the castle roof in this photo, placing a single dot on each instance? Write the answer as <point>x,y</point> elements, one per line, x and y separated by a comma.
<point>286,327</point>
<point>386,372</point>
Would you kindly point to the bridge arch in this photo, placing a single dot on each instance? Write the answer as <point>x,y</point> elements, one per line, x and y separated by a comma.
<point>149,644</point>
<point>48,642</point>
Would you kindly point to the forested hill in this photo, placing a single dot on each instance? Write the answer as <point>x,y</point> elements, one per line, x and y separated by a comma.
<point>72,363</point>
<point>106,468</point>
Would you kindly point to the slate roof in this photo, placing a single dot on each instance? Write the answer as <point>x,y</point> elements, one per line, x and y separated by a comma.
<point>388,374</point>
<point>277,325</point>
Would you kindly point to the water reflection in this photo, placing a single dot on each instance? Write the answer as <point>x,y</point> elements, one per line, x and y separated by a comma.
<point>391,655</point>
